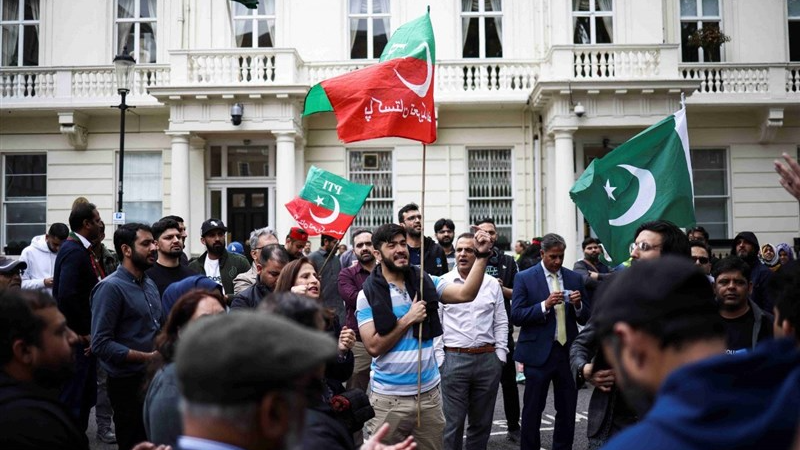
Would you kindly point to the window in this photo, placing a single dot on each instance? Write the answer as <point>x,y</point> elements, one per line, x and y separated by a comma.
<point>711,196</point>
<point>142,187</point>
<point>794,30</point>
<point>593,21</point>
<point>373,167</point>
<point>369,28</point>
<point>24,200</point>
<point>19,39</point>
<point>490,193</point>
<point>136,29</point>
<point>254,28</point>
<point>482,28</point>
<point>696,15</point>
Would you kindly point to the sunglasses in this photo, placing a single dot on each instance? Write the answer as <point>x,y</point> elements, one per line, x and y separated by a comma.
<point>701,259</point>
<point>642,246</point>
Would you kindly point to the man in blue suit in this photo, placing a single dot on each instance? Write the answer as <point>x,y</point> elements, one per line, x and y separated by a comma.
<point>548,302</point>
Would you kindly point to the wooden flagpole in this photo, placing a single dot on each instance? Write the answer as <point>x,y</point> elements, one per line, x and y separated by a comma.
<point>421,278</point>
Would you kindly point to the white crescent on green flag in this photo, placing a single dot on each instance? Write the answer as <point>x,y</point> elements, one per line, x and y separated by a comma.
<point>647,178</point>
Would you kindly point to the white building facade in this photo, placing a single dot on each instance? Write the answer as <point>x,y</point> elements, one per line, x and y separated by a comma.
<point>509,74</point>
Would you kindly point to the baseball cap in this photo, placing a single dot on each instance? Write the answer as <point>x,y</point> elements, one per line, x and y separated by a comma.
<point>238,357</point>
<point>176,290</point>
<point>236,247</point>
<point>8,265</point>
<point>298,234</point>
<point>212,224</point>
<point>669,288</point>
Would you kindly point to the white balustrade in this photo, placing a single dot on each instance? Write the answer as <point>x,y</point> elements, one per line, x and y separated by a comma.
<point>728,79</point>
<point>612,62</point>
<point>26,83</point>
<point>793,79</point>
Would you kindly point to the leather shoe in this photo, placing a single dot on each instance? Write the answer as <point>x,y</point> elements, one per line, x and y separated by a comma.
<point>107,437</point>
<point>514,436</point>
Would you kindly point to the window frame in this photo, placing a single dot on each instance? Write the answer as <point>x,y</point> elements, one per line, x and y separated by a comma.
<point>136,21</point>
<point>5,201</point>
<point>482,15</point>
<point>126,191</point>
<point>789,19</point>
<point>369,16</point>
<point>254,16</point>
<point>21,23</point>
<point>698,20</point>
<point>390,201</point>
<point>504,198</point>
<point>593,14</point>
<point>728,187</point>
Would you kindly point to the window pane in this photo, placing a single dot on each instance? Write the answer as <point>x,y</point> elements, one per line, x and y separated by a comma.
<point>494,37</point>
<point>604,30</point>
<point>492,5</point>
<point>712,54</point>
<point>708,159</point>
<point>266,7</point>
<point>144,8</point>
<point>490,193</point>
<point>264,38</point>
<point>244,33</point>
<point>688,8</point>
<point>603,5</point>
<point>688,53</point>
<point>19,236</point>
<point>10,10</point>
<point>371,167</point>
<point>142,187</point>
<point>28,212</point>
<point>378,6</point>
<point>580,5</point>
<point>712,214</point>
<point>142,212</point>
<point>241,10</point>
<point>30,54</point>
<point>21,186</point>
<point>31,9</point>
<point>794,41</point>
<point>710,182</point>
<point>147,43</point>
<point>358,7</point>
<point>581,27</point>
<point>381,37</point>
<point>26,164</point>
<point>10,45</point>
<point>471,41</point>
<point>711,7</point>
<point>248,161</point>
<point>216,162</point>
<point>794,8</point>
<point>216,204</point>
<point>473,6</point>
<point>359,41</point>
<point>125,36</point>
<point>125,9</point>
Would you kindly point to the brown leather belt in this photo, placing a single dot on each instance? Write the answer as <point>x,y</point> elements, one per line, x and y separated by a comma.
<point>488,348</point>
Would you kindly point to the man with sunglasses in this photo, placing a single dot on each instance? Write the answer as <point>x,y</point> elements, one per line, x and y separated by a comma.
<point>701,255</point>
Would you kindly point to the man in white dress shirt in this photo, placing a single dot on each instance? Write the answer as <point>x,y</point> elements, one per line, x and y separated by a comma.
<point>471,352</point>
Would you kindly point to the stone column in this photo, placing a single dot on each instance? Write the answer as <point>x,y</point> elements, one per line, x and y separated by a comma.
<point>179,185</point>
<point>565,216</point>
<point>197,197</point>
<point>285,186</point>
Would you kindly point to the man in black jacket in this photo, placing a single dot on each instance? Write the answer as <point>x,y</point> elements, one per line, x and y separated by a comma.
<point>271,260</point>
<point>435,259</point>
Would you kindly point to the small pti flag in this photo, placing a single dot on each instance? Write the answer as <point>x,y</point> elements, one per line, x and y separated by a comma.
<point>328,203</point>
<point>647,178</point>
<point>391,98</point>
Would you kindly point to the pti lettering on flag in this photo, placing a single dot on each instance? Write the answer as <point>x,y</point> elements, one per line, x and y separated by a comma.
<point>328,203</point>
<point>391,98</point>
<point>647,178</point>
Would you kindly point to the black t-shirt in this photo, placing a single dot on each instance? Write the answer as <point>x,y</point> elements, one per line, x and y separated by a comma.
<point>740,332</point>
<point>413,255</point>
<point>164,276</point>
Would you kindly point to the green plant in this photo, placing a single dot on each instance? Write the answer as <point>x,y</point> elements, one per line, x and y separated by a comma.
<point>708,38</point>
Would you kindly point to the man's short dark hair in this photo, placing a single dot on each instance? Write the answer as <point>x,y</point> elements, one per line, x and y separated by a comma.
<point>58,230</point>
<point>702,230</point>
<point>485,220</point>
<point>18,319</point>
<point>80,212</point>
<point>178,219</point>
<point>359,232</point>
<point>673,240</point>
<point>731,264</point>
<point>275,252</point>
<point>783,287</point>
<point>589,241</point>
<point>465,236</point>
<point>385,233</point>
<point>405,209</point>
<point>700,244</point>
<point>126,235</point>
<point>163,225</point>
<point>441,223</point>
<point>324,239</point>
<point>552,240</point>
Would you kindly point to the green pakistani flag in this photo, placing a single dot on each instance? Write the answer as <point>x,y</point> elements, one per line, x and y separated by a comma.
<point>647,178</point>
<point>252,4</point>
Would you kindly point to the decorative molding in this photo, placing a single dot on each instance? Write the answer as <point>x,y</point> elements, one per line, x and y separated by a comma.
<point>78,136</point>
<point>769,127</point>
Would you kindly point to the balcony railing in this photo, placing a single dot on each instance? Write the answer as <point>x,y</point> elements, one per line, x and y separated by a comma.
<point>611,62</point>
<point>743,81</point>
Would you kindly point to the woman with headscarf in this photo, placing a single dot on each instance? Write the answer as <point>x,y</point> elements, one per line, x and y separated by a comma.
<point>769,257</point>
<point>785,253</point>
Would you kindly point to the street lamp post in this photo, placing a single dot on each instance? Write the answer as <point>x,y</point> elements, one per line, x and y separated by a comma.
<point>123,67</point>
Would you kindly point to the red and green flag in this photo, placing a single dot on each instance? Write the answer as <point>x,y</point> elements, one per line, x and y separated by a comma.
<point>391,98</point>
<point>328,203</point>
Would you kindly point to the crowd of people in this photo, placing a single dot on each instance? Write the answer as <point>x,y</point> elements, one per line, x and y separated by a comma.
<point>400,341</point>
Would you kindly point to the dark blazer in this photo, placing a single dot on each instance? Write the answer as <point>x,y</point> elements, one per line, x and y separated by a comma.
<point>536,335</point>
<point>73,280</point>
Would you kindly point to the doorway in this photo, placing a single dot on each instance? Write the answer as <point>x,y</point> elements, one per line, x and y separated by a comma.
<point>247,210</point>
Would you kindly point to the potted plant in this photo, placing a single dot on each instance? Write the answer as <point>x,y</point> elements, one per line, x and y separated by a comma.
<point>710,40</point>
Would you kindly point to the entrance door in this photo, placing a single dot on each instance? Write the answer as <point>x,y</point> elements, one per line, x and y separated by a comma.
<point>247,210</point>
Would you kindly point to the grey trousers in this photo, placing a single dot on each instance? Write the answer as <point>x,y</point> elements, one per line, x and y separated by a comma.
<point>469,390</point>
<point>102,409</point>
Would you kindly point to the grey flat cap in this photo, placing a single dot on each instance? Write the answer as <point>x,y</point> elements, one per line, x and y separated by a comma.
<point>238,357</point>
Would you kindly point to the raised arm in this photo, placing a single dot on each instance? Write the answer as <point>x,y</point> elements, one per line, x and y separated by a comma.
<point>466,292</point>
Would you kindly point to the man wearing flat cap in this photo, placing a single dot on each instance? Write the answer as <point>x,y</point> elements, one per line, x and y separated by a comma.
<point>217,263</point>
<point>11,273</point>
<point>666,342</point>
<point>295,242</point>
<point>244,380</point>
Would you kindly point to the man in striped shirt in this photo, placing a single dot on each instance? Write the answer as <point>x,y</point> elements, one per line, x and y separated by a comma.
<point>388,310</point>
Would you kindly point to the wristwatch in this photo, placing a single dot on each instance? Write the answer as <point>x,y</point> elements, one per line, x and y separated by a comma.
<point>483,255</point>
<point>579,380</point>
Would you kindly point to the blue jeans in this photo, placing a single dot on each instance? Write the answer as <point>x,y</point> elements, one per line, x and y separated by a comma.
<point>469,389</point>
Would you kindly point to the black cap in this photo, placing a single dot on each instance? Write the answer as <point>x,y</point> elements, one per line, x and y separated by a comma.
<point>661,289</point>
<point>211,225</point>
<point>8,265</point>
<point>238,357</point>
